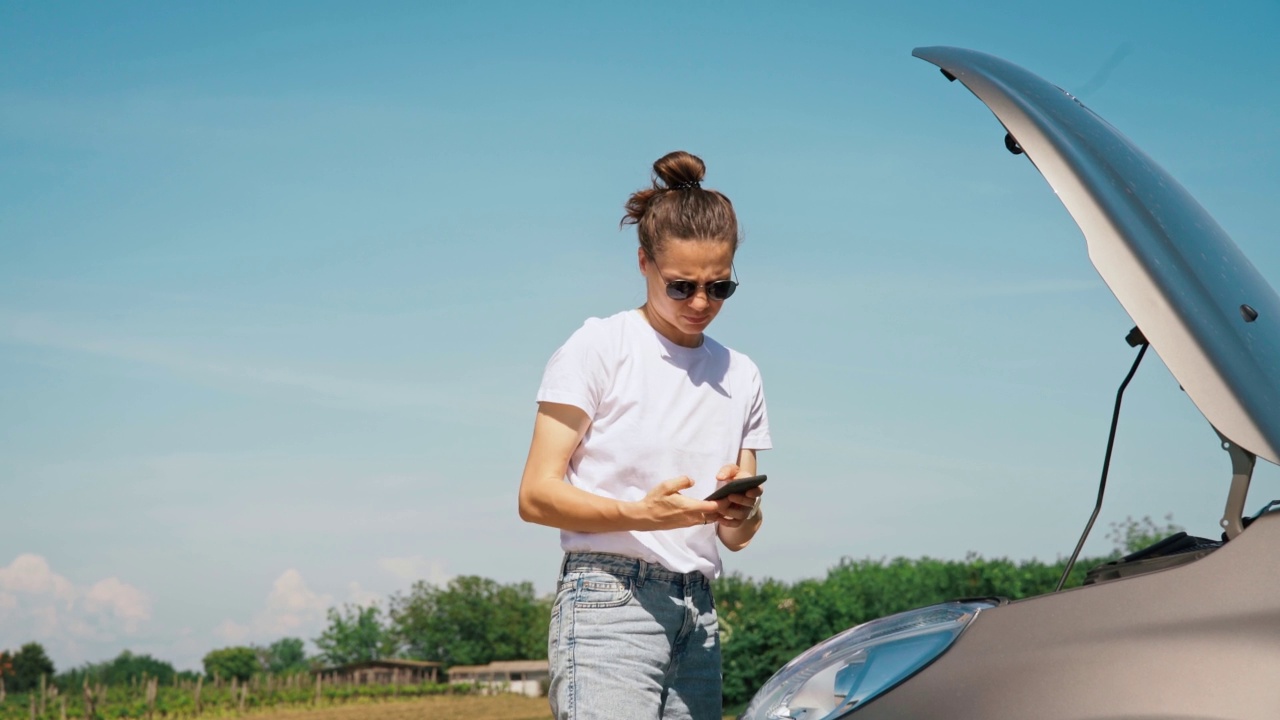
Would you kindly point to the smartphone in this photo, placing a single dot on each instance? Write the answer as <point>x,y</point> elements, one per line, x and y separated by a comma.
<point>738,485</point>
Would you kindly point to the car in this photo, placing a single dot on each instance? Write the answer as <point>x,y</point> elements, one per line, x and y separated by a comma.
<point>1187,628</point>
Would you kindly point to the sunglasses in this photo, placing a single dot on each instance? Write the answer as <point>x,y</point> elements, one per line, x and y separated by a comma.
<point>685,289</point>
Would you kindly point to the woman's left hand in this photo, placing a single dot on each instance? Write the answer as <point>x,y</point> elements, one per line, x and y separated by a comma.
<point>736,509</point>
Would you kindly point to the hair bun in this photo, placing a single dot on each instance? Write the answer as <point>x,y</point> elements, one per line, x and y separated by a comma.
<point>680,170</point>
<point>661,215</point>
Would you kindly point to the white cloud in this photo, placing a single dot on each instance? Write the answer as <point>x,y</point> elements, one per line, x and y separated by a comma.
<point>291,604</point>
<point>124,602</point>
<point>291,610</point>
<point>37,604</point>
<point>31,575</point>
<point>415,568</point>
<point>232,632</point>
<point>357,595</point>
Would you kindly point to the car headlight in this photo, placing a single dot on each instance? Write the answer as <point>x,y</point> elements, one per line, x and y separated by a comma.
<point>840,674</point>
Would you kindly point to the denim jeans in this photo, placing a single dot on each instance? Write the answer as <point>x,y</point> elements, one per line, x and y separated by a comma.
<point>631,640</point>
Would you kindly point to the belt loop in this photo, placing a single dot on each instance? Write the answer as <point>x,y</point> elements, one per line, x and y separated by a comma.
<point>564,565</point>
<point>641,573</point>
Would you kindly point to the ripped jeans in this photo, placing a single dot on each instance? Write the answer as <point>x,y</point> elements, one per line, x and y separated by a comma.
<point>631,640</point>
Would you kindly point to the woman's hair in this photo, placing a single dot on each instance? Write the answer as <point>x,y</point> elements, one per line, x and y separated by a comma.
<point>677,207</point>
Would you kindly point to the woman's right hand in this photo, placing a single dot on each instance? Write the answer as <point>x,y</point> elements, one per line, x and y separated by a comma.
<point>667,509</point>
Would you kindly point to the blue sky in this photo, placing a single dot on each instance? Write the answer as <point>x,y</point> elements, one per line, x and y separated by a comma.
<point>278,282</point>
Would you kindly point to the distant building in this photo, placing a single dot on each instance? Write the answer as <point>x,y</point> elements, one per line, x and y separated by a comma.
<point>526,677</point>
<point>384,672</point>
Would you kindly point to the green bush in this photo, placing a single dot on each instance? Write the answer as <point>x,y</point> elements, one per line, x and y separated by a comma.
<point>764,624</point>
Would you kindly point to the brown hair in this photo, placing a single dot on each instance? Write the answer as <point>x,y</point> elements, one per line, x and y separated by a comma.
<point>677,206</point>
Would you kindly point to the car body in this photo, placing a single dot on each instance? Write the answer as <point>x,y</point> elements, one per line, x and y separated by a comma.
<point>1179,631</point>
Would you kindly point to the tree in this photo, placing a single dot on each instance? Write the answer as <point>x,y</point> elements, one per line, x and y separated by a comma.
<point>471,621</point>
<point>1131,535</point>
<point>233,662</point>
<point>355,634</point>
<point>124,669</point>
<point>284,656</point>
<point>29,663</point>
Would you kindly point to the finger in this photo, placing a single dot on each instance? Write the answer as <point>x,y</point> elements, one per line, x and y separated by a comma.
<point>732,510</point>
<point>742,500</point>
<point>710,507</point>
<point>675,485</point>
<point>728,472</point>
<point>688,504</point>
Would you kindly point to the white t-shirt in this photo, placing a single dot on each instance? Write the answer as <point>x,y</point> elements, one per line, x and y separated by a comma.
<point>658,411</point>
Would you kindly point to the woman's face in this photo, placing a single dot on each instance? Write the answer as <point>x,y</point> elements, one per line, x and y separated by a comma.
<point>700,261</point>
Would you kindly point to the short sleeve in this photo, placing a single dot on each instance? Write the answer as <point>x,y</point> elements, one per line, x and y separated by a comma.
<point>755,432</point>
<point>577,373</point>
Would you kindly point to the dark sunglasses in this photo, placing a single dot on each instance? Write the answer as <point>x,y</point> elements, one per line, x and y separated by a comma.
<point>685,289</point>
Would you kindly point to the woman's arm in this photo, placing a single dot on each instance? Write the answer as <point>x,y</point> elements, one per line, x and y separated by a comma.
<point>546,499</point>
<point>737,525</point>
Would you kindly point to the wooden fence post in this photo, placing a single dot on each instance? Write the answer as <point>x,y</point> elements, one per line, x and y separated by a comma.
<point>153,687</point>
<point>89,709</point>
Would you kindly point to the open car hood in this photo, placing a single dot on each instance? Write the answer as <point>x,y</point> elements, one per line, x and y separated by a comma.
<point>1198,300</point>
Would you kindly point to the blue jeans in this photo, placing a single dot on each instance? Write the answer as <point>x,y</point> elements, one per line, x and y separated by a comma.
<point>631,640</point>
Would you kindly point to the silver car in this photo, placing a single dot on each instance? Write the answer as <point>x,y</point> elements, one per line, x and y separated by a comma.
<point>1189,628</point>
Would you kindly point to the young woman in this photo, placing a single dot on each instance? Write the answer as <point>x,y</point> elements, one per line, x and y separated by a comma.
<point>640,416</point>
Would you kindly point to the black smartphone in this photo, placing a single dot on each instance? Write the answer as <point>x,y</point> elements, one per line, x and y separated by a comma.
<point>738,485</point>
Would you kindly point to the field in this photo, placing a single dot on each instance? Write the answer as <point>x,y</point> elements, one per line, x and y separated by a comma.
<point>441,707</point>
<point>278,700</point>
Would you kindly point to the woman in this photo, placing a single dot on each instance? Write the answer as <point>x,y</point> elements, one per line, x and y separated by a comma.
<point>643,415</point>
